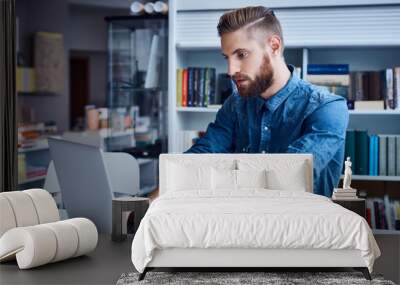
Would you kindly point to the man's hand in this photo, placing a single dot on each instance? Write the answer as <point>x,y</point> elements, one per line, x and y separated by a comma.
<point>153,195</point>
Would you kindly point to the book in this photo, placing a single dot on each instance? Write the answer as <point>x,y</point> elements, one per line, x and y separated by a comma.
<point>179,89</point>
<point>388,88</point>
<point>202,75</point>
<point>25,79</point>
<point>374,86</point>
<point>361,152</point>
<point>327,69</point>
<point>376,154</point>
<point>350,198</point>
<point>196,86</point>
<point>350,147</point>
<point>190,84</point>
<point>341,191</point>
<point>398,156</point>
<point>396,87</point>
<point>370,206</point>
<point>357,87</point>
<point>391,155</point>
<point>184,87</point>
<point>369,105</point>
<point>329,79</point>
<point>371,155</point>
<point>211,78</point>
<point>382,155</point>
<point>377,214</point>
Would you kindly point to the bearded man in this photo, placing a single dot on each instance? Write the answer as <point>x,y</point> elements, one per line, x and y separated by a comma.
<point>271,109</point>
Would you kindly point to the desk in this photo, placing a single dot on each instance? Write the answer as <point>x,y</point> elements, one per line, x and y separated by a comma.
<point>102,266</point>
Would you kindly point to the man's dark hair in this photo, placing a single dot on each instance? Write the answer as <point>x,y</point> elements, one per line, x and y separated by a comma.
<point>253,18</point>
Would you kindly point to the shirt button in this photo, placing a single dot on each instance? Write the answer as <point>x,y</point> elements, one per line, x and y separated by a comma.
<point>266,128</point>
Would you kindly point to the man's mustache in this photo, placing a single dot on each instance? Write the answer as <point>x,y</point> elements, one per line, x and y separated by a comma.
<point>238,77</point>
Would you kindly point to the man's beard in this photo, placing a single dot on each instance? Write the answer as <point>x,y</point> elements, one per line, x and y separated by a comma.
<point>262,81</point>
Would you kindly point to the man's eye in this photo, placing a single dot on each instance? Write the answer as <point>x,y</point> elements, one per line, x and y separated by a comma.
<point>242,55</point>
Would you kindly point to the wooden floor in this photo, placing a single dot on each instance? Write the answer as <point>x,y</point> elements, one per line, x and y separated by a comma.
<point>102,266</point>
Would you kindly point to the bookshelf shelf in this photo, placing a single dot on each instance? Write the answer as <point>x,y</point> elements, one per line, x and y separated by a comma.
<point>374,112</point>
<point>351,112</point>
<point>374,178</point>
<point>24,150</point>
<point>385,232</point>
<point>37,94</point>
<point>33,179</point>
<point>197,109</point>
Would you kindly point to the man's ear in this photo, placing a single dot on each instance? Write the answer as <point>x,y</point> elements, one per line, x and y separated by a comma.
<point>275,43</point>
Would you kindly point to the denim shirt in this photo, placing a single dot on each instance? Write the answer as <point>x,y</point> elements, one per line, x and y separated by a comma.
<point>300,118</point>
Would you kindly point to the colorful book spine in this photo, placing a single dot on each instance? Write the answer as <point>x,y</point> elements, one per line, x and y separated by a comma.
<point>382,155</point>
<point>361,152</point>
<point>388,88</point>
<point>191,95</point>
<point>202,75</point>
<point>350,147</point>
<point>391,157</point>
<point>179,73</point>
<point>327,69</point>
<point>184,87</point>
<point>196,86</point>
<point>212,99</point>
<point>396,87</point>
<point>371,155</point>
<point>376,154</point>
<point>398,155</point>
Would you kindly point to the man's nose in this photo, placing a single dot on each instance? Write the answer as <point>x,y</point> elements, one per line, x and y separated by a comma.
<point>233,68</point>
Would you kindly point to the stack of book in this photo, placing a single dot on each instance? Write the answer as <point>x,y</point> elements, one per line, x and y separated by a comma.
<point>195,87</point>
<point>375,154</point>
<point>376,90</point>
<point>383,214</point>
<point>344,194</point>
<point>364,90</point>
<point>334,77</point>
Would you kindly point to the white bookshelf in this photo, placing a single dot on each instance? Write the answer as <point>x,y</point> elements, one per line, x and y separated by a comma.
<point>324,32</point>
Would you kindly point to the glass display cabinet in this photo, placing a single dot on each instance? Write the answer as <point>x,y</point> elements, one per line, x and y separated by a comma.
<point>137,84</point>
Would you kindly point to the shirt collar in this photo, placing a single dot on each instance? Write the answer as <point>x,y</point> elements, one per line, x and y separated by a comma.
<point>273,102</point>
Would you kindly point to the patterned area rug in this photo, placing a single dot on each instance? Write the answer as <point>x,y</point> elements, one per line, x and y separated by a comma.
<point>229,278</point>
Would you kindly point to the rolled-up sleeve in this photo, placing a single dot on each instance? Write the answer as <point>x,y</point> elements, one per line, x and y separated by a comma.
<point>219,137</point>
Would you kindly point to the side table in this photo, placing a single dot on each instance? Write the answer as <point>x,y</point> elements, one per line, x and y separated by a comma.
<point>138,205</point>
<point>357,205</point>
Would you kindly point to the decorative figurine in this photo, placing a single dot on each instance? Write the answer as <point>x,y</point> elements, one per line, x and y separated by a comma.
<point>347,174</point>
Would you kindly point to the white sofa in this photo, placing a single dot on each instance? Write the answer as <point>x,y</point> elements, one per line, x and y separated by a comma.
<point>31,232</point>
